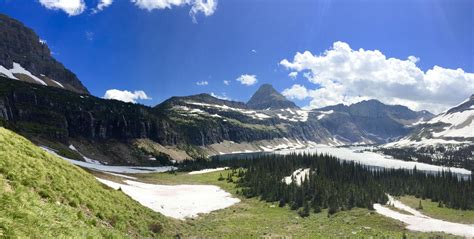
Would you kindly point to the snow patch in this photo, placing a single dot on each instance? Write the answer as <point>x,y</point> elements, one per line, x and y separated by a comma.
<point>113,169</point>
<point>57,83</point>
<point>7,73</point>
<point>324,114</point>
<point>177,201</point>
<point>298,175</point>
<point>18,69</point>
<point>422,223</point>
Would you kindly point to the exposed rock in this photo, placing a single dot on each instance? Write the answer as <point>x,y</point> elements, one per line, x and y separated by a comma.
<point>267,97</point>
<point>20,44</point>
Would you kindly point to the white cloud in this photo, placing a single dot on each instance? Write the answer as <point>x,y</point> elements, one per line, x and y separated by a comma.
<point>102,5</point>
<point>206,7</point>
<point>202,83</point>
<point>293,75</point>
<point>298,92</point>
<point>125,95</point>
<point>226,82</point>
<point>247,79</point>
<point>71,7</point>
<point>222,97</point>
<point>254,51</point>
<point>344,75</point>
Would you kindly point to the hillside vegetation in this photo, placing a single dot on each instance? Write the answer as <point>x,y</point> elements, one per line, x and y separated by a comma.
<point>45,196</point>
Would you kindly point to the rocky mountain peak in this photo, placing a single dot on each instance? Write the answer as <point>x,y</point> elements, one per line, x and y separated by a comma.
<point>267,97</point>
<point>19,44</point>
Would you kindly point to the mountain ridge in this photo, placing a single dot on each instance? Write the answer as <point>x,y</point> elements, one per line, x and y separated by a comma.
<point>24,56</point>
<point>109,129</point>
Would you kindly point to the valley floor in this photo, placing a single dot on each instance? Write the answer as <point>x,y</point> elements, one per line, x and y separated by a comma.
<point>255,218</point>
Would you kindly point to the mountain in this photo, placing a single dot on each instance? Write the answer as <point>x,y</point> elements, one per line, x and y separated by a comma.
<point>43,196</point>
<point>452,127</point>
<point>114,132</point>
<point>267,97</point>
<point>24,56</point>
<point>370,121</point>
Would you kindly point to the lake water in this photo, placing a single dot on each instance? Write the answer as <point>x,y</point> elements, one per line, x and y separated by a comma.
<point>358,155</point>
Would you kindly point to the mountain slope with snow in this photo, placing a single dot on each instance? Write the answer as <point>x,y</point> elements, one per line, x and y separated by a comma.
<point>25,57</point>
<point>452,127</point>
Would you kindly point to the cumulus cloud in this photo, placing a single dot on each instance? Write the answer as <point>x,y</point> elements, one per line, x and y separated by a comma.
<point>76,7</point>
<point>247,79</point>
<point>125,95</point>
<point>293,75</point>
<point>202,83</point>
<point>102,5</point>
<point>298,92</point>
<point>344,75</point>
<point>222,97</point>
<point>71,7</point>
<point>206,7</point>
<point>226,82</point>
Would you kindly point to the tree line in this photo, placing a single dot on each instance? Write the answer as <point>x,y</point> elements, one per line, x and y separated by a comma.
<point>337,185</point>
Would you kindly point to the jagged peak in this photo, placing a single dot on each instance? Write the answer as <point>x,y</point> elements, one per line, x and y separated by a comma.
<point>266,97</point>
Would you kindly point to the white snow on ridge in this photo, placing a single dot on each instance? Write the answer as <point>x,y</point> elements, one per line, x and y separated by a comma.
<point>7,73</point>
<point>324,114</point>
<point>374,159</point>
<point>405,142</point>
<point>422,223</point>
<point>462,124</point>
<point>57,83</point>
<point>177,201</point>
<point>18,69</point>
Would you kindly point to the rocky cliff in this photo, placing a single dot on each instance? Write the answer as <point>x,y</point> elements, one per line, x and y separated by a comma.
<point>34,63</point>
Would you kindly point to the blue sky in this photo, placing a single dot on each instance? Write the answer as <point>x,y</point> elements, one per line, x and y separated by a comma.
<point>165,53</point>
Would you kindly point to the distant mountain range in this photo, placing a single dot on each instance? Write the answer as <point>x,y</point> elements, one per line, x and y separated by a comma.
<point>45,102</point>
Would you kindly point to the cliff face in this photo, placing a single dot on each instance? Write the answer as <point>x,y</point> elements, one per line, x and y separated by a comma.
<point>371,121</point>
<point>58,115</point>
<point>19,44</point>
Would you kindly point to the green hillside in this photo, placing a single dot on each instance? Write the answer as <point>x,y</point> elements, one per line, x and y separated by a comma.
<point>45,196</point>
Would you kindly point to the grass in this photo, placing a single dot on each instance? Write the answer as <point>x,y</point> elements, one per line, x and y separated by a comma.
<point>431,209</point>
<point>254,218</point>
<point>42,196</point>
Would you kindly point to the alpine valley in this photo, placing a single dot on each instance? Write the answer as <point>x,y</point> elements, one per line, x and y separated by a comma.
<point>48,117</point>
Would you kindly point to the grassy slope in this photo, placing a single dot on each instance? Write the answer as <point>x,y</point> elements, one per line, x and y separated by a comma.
<point>431,209</point>
<point>254,218</point>
<point>45,196</point>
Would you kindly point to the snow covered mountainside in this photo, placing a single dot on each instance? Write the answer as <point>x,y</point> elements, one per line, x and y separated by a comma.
<point>452,127</point>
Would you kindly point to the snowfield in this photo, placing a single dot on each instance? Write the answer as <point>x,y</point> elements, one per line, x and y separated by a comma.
<point>112,169</point>
<point>177,201</point>
<point>208,170</point>
<point>374,159</point>
<point>419,222</point>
